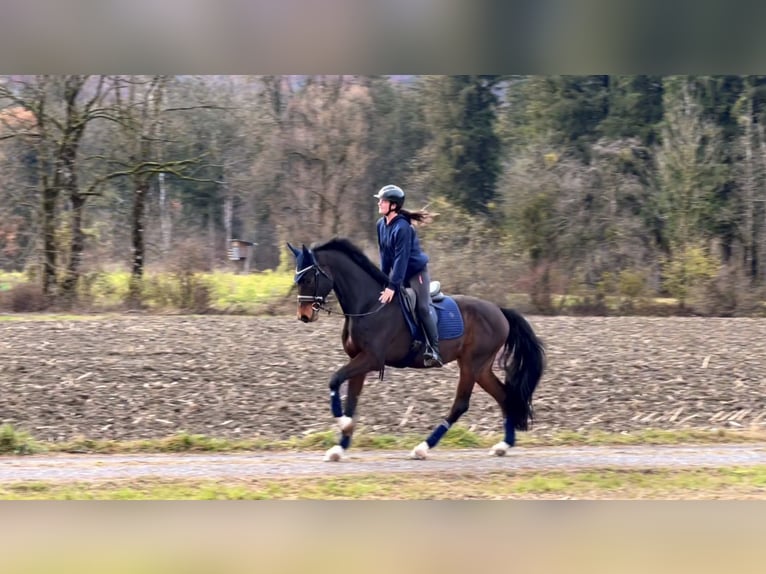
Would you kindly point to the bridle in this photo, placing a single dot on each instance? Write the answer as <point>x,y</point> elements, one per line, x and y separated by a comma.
<point>318,301</point>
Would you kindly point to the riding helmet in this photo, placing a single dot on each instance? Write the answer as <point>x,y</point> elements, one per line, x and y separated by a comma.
<point>392,193</point>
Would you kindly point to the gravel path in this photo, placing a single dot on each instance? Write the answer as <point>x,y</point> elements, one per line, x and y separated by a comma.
<point>95,468</point>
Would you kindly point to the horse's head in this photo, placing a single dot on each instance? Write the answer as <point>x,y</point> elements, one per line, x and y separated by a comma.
<point>314,284</point>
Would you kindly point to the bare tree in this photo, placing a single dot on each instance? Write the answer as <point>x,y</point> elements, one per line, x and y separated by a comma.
<point>62,108</point>
<point>328,154</point>
<point>18,205</point>
<point>139,111</point>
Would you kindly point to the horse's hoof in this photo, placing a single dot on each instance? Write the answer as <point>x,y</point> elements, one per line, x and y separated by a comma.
<point>420,452</point>
<point>345,423</point>
<point>335,454</point>
<point>500,449</point>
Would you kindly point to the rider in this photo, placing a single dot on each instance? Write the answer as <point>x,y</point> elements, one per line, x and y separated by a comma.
<point>402,260</point>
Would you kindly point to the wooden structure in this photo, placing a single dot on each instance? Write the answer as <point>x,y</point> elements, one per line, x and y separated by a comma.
<point>241,252</point>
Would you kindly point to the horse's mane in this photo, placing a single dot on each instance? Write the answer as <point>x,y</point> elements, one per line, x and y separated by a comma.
<point>354,253</point>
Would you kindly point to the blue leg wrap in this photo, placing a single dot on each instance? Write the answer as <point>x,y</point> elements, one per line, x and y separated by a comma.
<point>510,431</point>
<point>337,411</point>
<point>345,441</point>
<point>437,434</point>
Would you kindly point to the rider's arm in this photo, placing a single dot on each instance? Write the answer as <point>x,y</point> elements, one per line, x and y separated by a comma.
<point>402,241</point>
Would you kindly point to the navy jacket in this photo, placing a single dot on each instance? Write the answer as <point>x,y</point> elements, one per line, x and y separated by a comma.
<point>400,253</point>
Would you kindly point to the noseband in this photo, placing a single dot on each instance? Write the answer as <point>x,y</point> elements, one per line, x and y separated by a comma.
<point>317,301</point>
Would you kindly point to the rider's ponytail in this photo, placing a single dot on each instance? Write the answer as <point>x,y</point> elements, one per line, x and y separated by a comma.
<point>418,217</point>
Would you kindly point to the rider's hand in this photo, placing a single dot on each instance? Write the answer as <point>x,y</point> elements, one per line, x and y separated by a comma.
<point>386,295</point>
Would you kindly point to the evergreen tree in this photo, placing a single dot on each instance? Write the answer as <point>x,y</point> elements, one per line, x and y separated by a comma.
<point>465,149</point>
<point>635,108</point>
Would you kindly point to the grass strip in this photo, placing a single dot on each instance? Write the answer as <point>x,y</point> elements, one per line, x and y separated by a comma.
<point>688,484</point>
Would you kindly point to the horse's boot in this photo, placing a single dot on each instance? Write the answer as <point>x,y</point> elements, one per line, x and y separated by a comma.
<point>431,356</point>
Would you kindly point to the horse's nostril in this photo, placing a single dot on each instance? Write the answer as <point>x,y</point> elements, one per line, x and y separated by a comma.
<point>304,319</point>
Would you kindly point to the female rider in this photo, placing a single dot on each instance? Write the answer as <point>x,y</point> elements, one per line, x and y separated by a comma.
<point>405,264</point>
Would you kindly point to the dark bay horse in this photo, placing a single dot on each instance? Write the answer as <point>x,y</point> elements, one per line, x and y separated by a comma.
<point>377,335</point>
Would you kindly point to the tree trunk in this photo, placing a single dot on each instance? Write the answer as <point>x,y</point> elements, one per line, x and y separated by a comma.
<point>759,214</point>
<point>49,251</point>
<point>540,294</point>
<point>228,212</point>
<point>76,248</point>
<point>140,193</point>
<point>211,238</point>
<point>66,179</point>
<point>749,192</point>
<point>165,218</point>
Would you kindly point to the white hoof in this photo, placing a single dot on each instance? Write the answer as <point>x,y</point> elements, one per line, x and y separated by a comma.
<point>344,423</point>
<point>500,449</point>
<point>420,452</point>
<point>335,454</point>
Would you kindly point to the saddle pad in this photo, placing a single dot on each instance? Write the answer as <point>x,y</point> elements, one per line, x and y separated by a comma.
<point>449,320</point>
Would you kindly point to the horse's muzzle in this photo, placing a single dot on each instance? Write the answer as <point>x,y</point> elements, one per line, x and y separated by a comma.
<point>307,313</point>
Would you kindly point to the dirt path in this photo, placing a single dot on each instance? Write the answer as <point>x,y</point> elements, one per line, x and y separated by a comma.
<point>96,468</point>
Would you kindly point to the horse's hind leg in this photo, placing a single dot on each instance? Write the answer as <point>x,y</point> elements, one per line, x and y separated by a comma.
<point>346,421</point>
<point>459,407</point>
<point>489,382</point>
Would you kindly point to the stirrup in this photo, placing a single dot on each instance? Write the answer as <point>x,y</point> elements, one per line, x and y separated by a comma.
<point>432,359</point>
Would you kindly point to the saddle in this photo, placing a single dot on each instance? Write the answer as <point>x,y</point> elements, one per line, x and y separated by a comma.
<point>434,289</point>
<point>444,310</point>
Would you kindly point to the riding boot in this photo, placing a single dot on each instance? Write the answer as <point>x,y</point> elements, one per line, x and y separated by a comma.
<point>431,356</point>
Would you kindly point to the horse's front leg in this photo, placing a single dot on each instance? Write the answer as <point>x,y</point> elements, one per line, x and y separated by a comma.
<point>355,371</point>
<point>346,420</point>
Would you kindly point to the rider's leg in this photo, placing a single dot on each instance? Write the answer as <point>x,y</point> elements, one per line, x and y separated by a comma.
<point>420,283</point>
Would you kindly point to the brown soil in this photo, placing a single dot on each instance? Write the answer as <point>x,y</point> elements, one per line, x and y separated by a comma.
<point>149,377</point>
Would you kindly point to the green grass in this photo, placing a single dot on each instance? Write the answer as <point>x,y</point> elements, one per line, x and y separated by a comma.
<point>243,293</point>
<point>731,483</point>
<point>9,279</point>
<point>234,293</point>
<point>15,442</point>
<point>749,482</point>
<point>612,302</point>
<point>648,436</point>
<point>228,292</point>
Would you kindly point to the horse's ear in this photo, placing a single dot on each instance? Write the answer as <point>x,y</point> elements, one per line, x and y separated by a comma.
<point>293,249</point>
<point>307,254</point>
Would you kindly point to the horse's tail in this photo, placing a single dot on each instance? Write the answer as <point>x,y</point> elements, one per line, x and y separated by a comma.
<point>523,359</point>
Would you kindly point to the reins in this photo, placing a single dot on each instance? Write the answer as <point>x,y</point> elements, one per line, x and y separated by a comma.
<point>365,314</point>
<point>321,307</point>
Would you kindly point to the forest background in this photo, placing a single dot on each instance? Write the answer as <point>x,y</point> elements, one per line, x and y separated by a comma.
<point>584,194</point>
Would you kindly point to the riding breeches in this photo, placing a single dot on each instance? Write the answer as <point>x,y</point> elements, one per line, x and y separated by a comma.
<point>421,284</point>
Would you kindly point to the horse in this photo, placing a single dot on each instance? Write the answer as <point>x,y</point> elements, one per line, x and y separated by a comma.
<point>376,335</point>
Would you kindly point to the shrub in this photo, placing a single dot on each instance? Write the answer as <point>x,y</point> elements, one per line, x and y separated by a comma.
<point>23,298</point>
<point>15,442</point>
<point>728,294</point>
<point>689,270</point>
